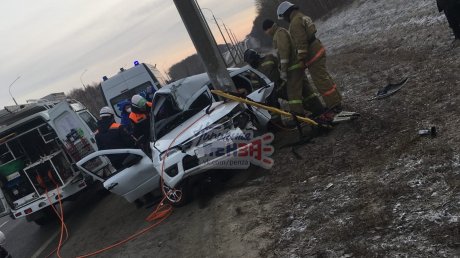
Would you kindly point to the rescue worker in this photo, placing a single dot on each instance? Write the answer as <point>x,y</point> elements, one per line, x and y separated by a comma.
<point>112,135</point>
<point>451,9</point>
<point>125,109</point>
<point>148,93</point>
<point>299,91</point>
<point>268,65</point>
<point>311,53</point>
<point>140,119</point>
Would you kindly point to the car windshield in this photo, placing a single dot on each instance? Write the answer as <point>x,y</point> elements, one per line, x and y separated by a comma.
<point>166,115</point>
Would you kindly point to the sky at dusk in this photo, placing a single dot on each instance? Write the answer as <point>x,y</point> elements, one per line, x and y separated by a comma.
<point>56,45</point>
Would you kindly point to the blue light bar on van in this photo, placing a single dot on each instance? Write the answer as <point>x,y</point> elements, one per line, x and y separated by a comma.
<point>136,63</point>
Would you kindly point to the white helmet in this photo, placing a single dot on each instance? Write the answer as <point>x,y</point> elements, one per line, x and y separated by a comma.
<point>138,101</point>
<point>2,238</point>
<point>106,111</point>
<point>282,8</point>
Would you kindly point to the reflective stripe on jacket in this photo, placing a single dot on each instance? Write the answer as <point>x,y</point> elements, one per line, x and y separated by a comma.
<point>115,126</point>
<point>137,118</point>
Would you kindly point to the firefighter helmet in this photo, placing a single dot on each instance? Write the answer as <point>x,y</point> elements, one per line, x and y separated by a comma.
<point>282,8</point>
<point>106,111</point>
<point>138,101</point>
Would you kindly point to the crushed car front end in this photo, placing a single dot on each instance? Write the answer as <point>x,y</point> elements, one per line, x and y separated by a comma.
<point>210,139</point>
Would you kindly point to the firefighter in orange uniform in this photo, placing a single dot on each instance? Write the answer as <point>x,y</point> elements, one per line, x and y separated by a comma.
<point>300,94</point>
<point>311,52</point>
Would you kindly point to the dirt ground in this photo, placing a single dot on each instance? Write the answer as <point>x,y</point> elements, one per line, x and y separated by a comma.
<point>372,187</point>
<point>369,188</point>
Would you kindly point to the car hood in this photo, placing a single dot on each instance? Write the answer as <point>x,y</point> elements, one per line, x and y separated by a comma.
<point>192,126</point>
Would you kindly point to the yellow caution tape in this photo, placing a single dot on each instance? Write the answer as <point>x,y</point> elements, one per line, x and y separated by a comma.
<point>255,104</point>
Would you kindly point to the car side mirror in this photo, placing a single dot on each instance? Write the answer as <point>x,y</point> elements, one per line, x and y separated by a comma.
<point>131,160</point>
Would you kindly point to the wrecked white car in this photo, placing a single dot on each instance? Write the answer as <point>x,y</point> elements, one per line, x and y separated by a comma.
<point>194,131</point>
<point>188,125</point>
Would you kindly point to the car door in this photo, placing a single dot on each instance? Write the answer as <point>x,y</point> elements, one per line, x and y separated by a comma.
<point>71,130</point>
<point>135,178</point>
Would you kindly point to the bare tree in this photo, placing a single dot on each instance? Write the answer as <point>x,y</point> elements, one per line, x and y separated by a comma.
<point>91,97</point>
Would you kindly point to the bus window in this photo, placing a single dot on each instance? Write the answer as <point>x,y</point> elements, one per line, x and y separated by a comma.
<point>89,120</point>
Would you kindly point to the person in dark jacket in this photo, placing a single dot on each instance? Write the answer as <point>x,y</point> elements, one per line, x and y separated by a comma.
<point>268,65</point>
<point>140,119</point>
<point>112,135</point>
<point>451,9</point>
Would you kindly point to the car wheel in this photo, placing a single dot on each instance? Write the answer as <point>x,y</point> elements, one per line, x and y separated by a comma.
<point>179,196</point>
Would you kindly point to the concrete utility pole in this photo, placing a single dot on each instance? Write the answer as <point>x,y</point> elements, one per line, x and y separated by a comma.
<point>204,44</point>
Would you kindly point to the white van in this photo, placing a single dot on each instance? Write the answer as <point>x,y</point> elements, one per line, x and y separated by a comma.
<point>39,145</point>
<point>129,82</point>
